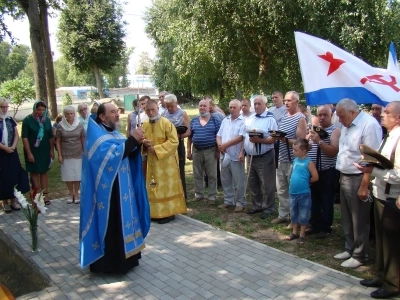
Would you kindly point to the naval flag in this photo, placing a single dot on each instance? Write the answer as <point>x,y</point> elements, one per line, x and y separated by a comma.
<point>331,74</point>
<point>392,59</point>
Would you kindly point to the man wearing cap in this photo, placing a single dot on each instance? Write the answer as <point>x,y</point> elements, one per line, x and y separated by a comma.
<point>261,150</point>
<point>386,191</point>
<point>323,154</point>
<point>203,130</point>
<point>358,128</point>
<point>294,124</point>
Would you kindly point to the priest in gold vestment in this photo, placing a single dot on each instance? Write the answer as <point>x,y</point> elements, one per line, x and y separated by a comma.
<point>163,182</point>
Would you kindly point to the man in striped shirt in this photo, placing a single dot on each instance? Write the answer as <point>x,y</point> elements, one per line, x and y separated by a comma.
<point>204,129</point>
<point>323,154</point>
<point>295,126</point>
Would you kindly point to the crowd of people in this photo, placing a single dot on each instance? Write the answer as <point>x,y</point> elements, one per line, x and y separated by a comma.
<point>133,179</point>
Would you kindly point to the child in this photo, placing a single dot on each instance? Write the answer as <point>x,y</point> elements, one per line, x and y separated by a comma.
<point>299,189</point>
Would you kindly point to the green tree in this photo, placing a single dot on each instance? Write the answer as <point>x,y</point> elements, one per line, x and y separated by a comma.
<point>249,45</point>
<point>145,64</point>
<point>18,91</point>
<point>90,36</point>
<point>67,75</point>
<point>13,59</point>
<point>118,75</point>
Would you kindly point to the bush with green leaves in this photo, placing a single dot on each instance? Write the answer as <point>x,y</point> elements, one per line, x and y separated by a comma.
<point>17,91</point>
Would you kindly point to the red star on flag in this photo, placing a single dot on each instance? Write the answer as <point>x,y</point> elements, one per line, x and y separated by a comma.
<point>335,63</point>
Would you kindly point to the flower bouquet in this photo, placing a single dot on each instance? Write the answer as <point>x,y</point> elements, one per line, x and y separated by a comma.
<point>31,209</point>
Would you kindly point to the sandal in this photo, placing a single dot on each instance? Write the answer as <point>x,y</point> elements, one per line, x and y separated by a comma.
<point>46,202</point>
<point>301,240</point>
<point>292,237</point>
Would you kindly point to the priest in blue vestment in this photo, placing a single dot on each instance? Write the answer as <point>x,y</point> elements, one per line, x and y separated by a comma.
<point>114,212</point>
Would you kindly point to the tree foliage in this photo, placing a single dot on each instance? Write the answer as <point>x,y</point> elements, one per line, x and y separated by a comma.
<point>13,59</point>
<point>17,91</point>
<point>67,75</point>
<point>91,36</point>
<point>117,77</point>
<point>222,46</point>
<point>145,64</point>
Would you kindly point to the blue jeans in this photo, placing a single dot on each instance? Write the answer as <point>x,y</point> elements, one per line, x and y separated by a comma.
<point>300,205</point>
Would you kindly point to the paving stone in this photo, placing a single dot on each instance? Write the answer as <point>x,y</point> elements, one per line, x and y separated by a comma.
<point>177,265</point>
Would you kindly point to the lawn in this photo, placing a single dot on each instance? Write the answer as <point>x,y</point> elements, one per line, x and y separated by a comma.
<point>250,226</point>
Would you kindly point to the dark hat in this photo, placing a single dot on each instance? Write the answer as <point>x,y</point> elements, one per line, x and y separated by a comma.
<point>181,129</point>
<point>374,157</point>
<point>321,132</point>
<point>277,133</point>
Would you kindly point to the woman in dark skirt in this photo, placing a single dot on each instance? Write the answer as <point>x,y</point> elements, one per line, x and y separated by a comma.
<point>11,173</point>
<point>38,139</point>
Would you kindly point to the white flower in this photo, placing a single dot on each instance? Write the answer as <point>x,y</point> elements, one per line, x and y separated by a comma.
<point>39,200</point>
<point>21,198</point>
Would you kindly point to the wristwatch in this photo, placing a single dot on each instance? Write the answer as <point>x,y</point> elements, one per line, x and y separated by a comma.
<point>320,142</point>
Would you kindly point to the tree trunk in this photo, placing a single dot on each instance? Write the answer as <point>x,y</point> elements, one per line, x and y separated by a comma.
<point>49,67</point>
<point>31,8</point>
<point>99,84</point>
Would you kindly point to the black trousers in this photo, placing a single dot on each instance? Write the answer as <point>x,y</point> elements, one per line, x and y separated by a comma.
<point>322,201</point>
<point>182,161</point>
<point>387,237</point>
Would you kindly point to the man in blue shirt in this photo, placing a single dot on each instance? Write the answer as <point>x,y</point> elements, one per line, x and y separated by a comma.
<point>204,129</point>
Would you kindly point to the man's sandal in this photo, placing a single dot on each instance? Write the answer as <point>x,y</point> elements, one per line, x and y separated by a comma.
<point>292,237</point>
<point>301,240</point>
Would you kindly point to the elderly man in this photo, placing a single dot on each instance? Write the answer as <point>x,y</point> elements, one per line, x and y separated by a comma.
<point>114,215</point>
<point>163,183</point>
<point>294,125</point>
<point>358,128</point>
<point>229,141</point>
<point>261,148</point>
<point>278,110</point>
<point>204,129</point>
<point>179,118</point>
<point>386,190</point>
<point>323,154</point>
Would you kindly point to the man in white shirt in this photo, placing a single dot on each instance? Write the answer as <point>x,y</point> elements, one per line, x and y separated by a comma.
<point>262,170</point>
<point>229,141</point>
<point>278,110</point>
<point>386,190</point>
<point>358,128</point>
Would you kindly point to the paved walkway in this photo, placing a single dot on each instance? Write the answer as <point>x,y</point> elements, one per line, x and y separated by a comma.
<point>184,259</point>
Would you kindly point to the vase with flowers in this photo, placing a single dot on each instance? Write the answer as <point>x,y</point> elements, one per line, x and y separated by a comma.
<point>32,208</point>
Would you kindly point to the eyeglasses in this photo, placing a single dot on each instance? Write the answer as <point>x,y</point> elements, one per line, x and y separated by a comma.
<point>1,106</point>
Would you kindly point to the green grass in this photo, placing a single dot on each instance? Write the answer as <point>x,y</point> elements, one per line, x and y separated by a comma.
<point>252,227</point>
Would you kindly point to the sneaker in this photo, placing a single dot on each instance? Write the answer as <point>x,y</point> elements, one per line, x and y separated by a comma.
<point>239,209</point>
<point>279,221</point>
<point>15,206</point>
<point>69,201</point>
<point>343,255</point>
<point>7,208</point>
<point>77,201</point>
<point>351,263</point>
